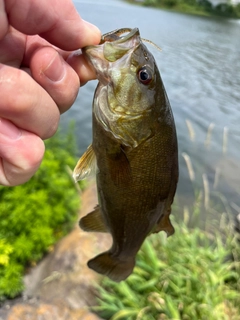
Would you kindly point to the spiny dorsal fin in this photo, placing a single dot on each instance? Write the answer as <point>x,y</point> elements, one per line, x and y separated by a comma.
<point>86,166</point>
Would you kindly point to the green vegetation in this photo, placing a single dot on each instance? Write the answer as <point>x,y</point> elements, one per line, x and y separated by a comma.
<point>199,7</point>
<point>35,215</point>
<point>192,275</point>
<point>186,276</point>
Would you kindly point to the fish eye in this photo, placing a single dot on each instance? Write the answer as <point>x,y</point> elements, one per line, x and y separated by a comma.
<point>145,75</point>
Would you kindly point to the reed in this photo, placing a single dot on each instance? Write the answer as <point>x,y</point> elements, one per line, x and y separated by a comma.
<point>187,276</point>
<point>195,274</point>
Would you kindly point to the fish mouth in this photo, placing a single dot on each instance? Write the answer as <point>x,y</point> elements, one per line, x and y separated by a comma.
<point>112,47</point>
<point>114,36</point>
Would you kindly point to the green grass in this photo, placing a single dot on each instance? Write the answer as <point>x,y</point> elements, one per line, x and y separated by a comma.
<point>37,214</point>
<point>186,276</point>
<point>192,275</point>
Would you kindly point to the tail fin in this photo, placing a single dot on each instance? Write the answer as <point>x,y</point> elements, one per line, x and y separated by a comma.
<point>116,269</point>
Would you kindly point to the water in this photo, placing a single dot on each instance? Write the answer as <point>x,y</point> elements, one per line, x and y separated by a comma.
<point>200,68</point>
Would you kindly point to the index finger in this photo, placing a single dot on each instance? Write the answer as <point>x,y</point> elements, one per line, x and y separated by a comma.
<point>57,21</point>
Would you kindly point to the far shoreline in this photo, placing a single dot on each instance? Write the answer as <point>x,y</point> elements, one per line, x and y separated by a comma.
<point>206,10</point>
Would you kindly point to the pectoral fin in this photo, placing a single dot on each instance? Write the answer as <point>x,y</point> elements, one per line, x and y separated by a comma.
<point>93,221</point>
<point>86,166</point>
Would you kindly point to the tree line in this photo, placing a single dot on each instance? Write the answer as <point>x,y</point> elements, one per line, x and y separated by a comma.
<point>203,7</point>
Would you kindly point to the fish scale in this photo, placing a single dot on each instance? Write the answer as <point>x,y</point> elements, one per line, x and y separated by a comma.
<point>134,149</point>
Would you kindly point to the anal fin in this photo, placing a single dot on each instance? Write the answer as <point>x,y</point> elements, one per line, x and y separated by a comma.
<point>93,221</point>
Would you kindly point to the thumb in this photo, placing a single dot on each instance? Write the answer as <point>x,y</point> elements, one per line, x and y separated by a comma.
<point>57,21</point>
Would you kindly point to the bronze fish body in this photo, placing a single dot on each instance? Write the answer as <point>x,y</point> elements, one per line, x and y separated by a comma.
<point>135,150</point>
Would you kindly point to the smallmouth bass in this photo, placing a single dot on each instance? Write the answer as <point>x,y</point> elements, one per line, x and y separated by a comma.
<point>134,150</point>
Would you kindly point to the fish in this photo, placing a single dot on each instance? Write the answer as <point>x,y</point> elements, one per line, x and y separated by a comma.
<point>134,150</point>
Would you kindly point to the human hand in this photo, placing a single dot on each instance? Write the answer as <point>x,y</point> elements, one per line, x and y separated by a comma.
<point>39,78</point>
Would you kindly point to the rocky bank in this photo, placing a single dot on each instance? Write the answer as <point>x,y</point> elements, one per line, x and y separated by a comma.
<point>60,287</point>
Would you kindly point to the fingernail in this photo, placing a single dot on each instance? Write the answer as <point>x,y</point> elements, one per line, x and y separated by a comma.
<point>55,70</point>
<point>8,129</point>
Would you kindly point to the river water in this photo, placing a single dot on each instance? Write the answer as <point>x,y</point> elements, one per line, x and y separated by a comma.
<point>200,68</point>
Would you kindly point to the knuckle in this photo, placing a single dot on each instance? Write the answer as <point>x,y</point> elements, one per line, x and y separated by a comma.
<point>11,80</point>
<point>16,171</point>
<point>68,91</point>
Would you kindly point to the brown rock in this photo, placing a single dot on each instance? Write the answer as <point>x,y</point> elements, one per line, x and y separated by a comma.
<point>60,286</point>
<point>48,312</point>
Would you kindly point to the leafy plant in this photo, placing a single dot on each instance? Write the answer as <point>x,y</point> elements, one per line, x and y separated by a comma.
<point>35,215</point>
<point>184,277</point>
<point>195,274</point>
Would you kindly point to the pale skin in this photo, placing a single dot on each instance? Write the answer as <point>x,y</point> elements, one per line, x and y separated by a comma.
<point>39,78</point>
